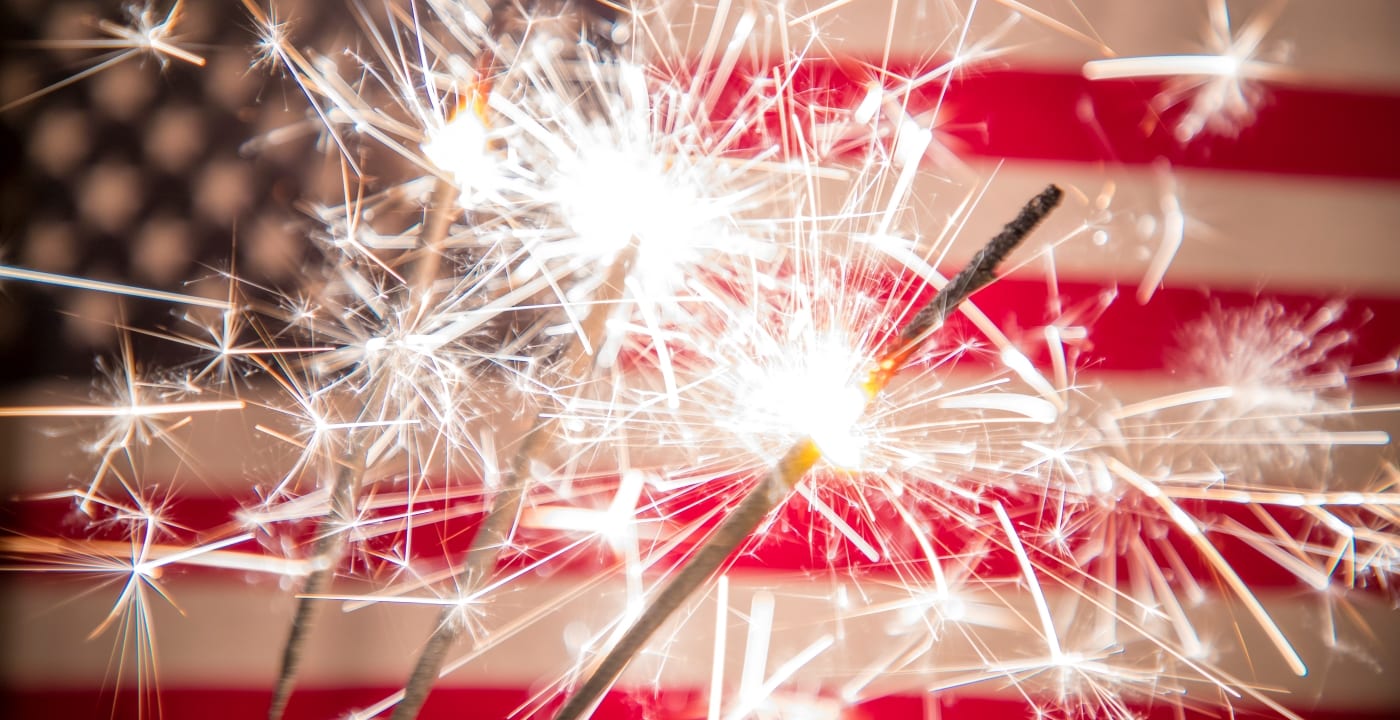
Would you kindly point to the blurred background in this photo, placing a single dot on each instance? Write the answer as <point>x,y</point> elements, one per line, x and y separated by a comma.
<point>159,174</point>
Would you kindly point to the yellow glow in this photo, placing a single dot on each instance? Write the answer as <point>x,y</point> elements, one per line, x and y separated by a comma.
<point>613,196</point>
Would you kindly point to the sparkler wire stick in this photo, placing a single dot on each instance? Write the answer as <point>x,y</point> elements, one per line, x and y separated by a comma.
<point>494,532</point>
<point>771,491</point>
<point>330,545</point>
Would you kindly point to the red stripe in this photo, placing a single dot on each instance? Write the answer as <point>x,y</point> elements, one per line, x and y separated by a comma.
<point>1128,336</point>
<point>799,540</point>
<point>490,703</point>
<point>998,113</point>
<point>1124,335</point>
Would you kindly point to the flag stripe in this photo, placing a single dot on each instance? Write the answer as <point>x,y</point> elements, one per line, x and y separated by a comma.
<point>226,635</point>
<point>223,503</point>
<point>1063,116</point>
<point>450,703</point>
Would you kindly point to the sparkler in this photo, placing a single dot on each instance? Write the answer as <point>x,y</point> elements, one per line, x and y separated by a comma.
<point>591,270</point>
<point>760,501</point>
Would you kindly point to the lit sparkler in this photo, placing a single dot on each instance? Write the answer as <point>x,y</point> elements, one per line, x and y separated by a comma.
<point>601,283</point>
<point>803,455</point>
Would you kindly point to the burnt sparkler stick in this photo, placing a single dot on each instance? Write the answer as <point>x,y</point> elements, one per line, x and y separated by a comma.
<point>345,486</point>
<point>770,492</point>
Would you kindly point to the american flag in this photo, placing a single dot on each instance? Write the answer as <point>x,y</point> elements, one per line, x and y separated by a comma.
<point>162,174</point>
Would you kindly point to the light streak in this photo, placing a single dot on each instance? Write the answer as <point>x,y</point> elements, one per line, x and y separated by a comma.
<point>1221,86</point>
<point>1188,526</point>
<point>756,650</point>
<point>1188,397</point>
<point>132,411</point>
<point>1173,234</point>
<point>1047,624</point>
<point>158,554</point>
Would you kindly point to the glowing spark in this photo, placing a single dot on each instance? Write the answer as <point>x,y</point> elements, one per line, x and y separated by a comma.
<point>1047,624</point>
<point>1189,397</point>
<point>1188,526</point>
<point>144,34</point>
<point>461,147</point>
<point>612,314</point>
<point>131,411</point>
<point>1173,234</point>
<point>1033,409</point>
<point>36,276</point>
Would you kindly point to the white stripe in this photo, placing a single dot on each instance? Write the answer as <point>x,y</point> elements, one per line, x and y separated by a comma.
<point>232,633</point>
<point>1351,44</point>
<point>1243,230</point>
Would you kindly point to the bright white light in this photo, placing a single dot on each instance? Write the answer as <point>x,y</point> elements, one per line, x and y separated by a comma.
<point>865,112</point>
<point>817,399</point>
<point>613,196</point>
<point>460,148</point>
<point>1031,408</point>
<point>833,430</point>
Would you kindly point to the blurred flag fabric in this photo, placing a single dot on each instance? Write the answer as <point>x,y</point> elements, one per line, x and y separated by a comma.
<point>155,176</point>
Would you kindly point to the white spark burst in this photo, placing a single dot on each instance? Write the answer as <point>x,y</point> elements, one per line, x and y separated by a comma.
<point>1220,87</point>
